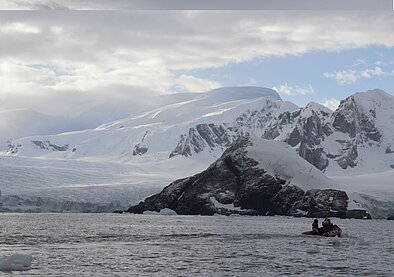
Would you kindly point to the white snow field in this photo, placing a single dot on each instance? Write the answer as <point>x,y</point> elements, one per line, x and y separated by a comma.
<point>279,158</point>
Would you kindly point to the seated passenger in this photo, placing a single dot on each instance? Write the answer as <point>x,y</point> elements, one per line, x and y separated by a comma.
<point>315,226</point>
<point>326,225</point>
<point>330,225</point>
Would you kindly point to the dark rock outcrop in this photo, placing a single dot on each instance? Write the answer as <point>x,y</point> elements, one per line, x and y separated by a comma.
<point>200,137</point>
<point>139,150</point>
<point>322,203</point>
<point>234,178</point>
<point>240,186</point>
<point>47,145</point>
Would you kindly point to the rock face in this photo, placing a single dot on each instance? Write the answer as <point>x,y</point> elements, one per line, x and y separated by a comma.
<point>47,145</point>
<point>221,135</point>
<point>334,141</point>
<point>201,136</point>
<point>304,129</point>
<point>236,184</point>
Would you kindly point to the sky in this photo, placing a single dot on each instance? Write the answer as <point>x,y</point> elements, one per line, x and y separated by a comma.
<point>64,61</point>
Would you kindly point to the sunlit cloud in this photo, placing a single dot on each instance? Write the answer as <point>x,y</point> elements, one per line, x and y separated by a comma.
<point>347,77</point>
<point>377,71</point>
<point>19,27</point>
<point>294,90</point>
<point>344,77</point>
<point>193,84</point>
<point>359,62</point>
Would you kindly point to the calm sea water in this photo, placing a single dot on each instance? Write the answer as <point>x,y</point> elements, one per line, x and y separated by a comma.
<point>149,245</point>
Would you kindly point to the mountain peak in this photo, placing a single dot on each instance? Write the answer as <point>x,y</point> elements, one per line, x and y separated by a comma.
<point>373,94</point>
<point>313,106</point>
<point>367,101</point>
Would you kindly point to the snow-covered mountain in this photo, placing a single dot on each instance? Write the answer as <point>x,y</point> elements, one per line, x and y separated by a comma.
<point>64,166</point>
<point>161,130</point>
<point>182,138</point>
<point>118,109</point>
<point>355,139</point>
<point>20,123</point>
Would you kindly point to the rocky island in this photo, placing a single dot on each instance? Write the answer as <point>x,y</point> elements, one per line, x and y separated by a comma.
<point>255,177</point>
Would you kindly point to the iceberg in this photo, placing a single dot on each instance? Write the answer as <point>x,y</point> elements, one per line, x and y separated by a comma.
<point>15,262</point>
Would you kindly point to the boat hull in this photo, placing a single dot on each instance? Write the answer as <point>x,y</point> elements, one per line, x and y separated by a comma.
<point>333,233</point>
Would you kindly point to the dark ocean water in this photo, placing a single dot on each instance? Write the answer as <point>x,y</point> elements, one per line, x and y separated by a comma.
<point>152,245</point>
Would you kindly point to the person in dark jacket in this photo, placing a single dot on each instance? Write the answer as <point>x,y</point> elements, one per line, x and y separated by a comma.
<point>330,225</point>
<point>326,225</point>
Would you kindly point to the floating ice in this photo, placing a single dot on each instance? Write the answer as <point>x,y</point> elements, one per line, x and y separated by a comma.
<point>312,250</point>
<point>361,241</point>
<point>15,262</point>
<point>165,211</point>
<point>335,242</point>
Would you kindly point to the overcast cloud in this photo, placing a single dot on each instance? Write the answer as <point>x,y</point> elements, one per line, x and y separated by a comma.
<point>198,5</point>
<point>84,56</point>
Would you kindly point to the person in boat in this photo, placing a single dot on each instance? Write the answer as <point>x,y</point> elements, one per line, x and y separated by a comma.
<point>326,225</point>
<point>315,226</point>
<point>331,226</point>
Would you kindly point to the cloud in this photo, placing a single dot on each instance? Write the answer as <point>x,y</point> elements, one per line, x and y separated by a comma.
<point>377,71</point>
<point>347,77</point>
<point>359,62</point>
<point>38,5</point>
<point>190,83</point>
<point>58,52</point>
<point>332,103</point>
<point>294,90</point>
<point>344,77</point>
<point>19,27</point>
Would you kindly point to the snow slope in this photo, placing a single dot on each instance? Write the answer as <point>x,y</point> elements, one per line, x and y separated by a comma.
<point>278,158</point>
<point>19,123</point>
<point>151,132</point>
